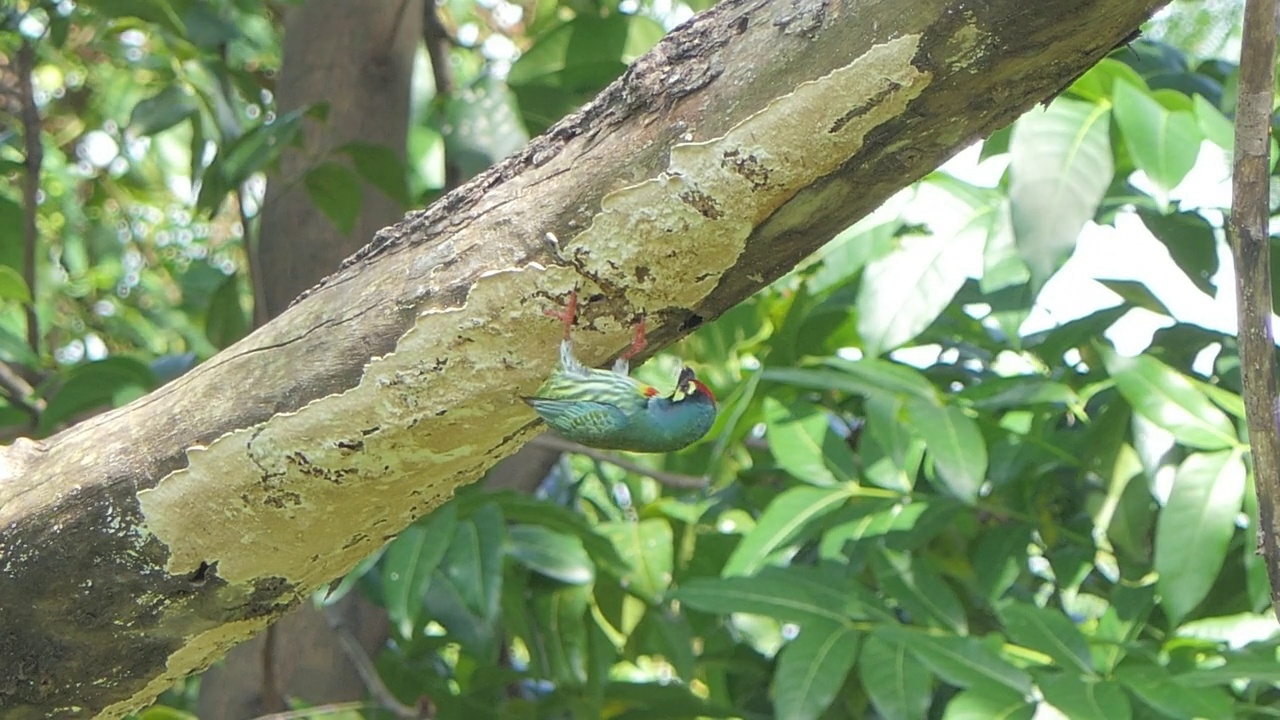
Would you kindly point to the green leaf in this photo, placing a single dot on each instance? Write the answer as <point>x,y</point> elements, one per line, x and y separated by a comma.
<point>803,443</point>
<point>961,661</point>
<point>1099,82</point>
<point>1050,633</point>
<point>997,559</point>
<point>1171,401</point>
<point>464,594</point>
<point>1191,240</point>
<point>790,513</point>
<point>989,702</point>
<point>380,167</point>
<point>649,545</point>
<point>163,110</point>
<point>919,590</point>
<point>335,592</point>
<point>1254,667</point>
<point>1008,393</point>
<point>1163,143</point>
<point>869,377</point>
<point>92,386</point>
<point>1195,528</point>
<point>409,562</point>
<point>561,643</point>
<point>13,287</point>
<point>956,444</point>
<point>1080,698</point>
<point>245,156</point>
<point>891,454</point>
<point>336,191</point>
<point>898,685</point>
<point>1060,168</point>
<point>519,508</point>
<point>1002,264</point>
<point>570,64</point>
<point>558,556</point>
<point>225,321</point>
<point>903,292</point>
<point>156,12</point>
<point>1137,294</point>
<point>812,668</point>
<point>849,252</point>
<point>900,518</point>
<point>1155,686</point>
<point>786,594</point>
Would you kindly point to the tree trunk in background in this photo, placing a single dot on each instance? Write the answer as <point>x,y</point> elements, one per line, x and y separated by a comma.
<point>358,58</point>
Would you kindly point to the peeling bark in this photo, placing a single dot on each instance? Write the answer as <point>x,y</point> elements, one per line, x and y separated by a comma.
<point>140,545</point>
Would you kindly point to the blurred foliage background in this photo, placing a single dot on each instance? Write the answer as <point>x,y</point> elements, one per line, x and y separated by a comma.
<point>981,457</point>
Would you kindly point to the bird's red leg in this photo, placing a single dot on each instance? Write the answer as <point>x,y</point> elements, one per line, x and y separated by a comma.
<point>568,314</point>
<point>638,343</point>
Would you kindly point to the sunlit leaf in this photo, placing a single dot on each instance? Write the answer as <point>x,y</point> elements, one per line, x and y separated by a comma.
<point>550,553</point>
<point>1163,143</point>
<point>903,292</point>
<point>956,445</point>
<point>13,287</point>
<point>1060,168</point>
<point>1194,530</point>
<point>989,702</point>
<point>789,514</point>
<point>1049,632</point>
<point>805,445</point>
<point>1171,401</point>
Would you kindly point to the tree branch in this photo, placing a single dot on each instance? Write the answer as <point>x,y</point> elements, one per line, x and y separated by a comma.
<point>1251,247</point>
<point>26,66</point>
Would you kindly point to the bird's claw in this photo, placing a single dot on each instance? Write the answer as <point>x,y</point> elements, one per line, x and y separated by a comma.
<point>568,314</point>
<point>638,343</point>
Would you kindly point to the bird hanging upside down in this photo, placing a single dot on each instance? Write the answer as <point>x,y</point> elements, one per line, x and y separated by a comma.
<point>611,410</point>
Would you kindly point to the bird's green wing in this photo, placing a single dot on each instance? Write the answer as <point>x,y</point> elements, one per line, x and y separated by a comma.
<point>583,421</point>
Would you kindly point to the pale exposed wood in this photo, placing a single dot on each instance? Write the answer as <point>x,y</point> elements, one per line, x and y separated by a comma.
<point>128,558</point>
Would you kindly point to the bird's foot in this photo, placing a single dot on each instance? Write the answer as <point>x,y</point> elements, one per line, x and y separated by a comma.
<point>568,314</point>
<point>638,343</point>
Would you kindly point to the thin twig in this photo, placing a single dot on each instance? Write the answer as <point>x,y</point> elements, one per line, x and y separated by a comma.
<point>319,710</point>
<point>438,43</point>
<point>671,480</point>
<point>26,66</point>
<point>1250,246</point>
<point>19,391</point>
<point>365,669</point>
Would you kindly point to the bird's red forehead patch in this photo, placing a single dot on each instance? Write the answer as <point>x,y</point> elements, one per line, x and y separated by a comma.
<point>650,391</point>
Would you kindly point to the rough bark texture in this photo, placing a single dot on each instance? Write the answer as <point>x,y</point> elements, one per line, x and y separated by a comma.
<point>141,545</point>
<point>1248,228</point>
<point>351,55</point>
